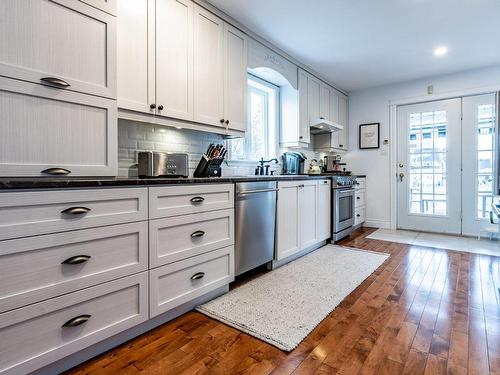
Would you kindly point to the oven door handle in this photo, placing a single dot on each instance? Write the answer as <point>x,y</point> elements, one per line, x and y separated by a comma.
<point>344,191</point>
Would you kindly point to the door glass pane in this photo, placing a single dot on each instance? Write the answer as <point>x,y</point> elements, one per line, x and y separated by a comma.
<point>427,158</point>
<point>485,146</point>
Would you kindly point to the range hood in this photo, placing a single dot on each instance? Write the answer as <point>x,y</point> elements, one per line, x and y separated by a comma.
<point>322,126</point>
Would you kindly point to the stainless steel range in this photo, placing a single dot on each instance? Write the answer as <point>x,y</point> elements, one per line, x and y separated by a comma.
<point>343,201</point>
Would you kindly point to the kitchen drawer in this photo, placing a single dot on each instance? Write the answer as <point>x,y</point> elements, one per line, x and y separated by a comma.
<point>30,213</point>
<point>176,238</point>
<point>360,198</point>
<point>169,201</point>
<point>180,282</point>
<point>36,335</point>
<point>44,128</point>
<point>361,183</point>
<point>32,268</point>
<point>68,40</point>
<point>109,6</point>
<point>359,215</point>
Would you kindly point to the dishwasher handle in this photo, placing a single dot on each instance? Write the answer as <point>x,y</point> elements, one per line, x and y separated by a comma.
<point>256,191</point>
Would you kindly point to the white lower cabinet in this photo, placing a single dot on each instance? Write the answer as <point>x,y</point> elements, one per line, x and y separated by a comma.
<point>180,237</point>
<point>302,216</point>
<point>324,209</point>
<point>74,267</point>
<point>39,334</point>
<point>360,202</point>
<point>179,282</point>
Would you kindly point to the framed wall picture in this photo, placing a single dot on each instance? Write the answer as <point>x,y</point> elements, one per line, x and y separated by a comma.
<point>369,136</point>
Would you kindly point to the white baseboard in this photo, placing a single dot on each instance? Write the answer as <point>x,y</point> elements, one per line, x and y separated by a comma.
<point>376,223</point>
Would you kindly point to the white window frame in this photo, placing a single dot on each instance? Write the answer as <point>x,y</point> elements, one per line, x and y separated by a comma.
<point>272,132</point>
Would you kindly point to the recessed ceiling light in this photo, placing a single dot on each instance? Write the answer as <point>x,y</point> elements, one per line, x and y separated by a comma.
<point>440,51</point>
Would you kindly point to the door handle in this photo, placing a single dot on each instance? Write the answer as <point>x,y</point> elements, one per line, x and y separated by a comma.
<point>401,176</point>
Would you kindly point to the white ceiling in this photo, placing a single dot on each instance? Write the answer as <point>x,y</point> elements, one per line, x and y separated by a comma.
<point>364,43</point>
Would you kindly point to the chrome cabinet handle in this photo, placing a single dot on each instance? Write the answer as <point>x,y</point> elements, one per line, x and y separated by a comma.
<point>55,81</point>
<point>198,275</point>
<point>76,211</point>
<point>198,233</point>
<point>196,200</point>
<point>56,171</point>
<point>76,321</point>
<point>77,259</point>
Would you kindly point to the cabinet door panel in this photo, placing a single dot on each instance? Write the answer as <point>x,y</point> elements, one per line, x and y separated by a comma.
<point>44,128</point>
<point>343,120</point>
<point>208,67</point>
<point>235,78</point>
<point>313,98</point>
<point>59,39</point>
<point>287,233</point>
<point>308,218</point>
<point>334,114</point>
<point>324,209</point>
<point>136,51</point>
<point>174,58</point>
<point>304,132</point>
<point>324,102</point>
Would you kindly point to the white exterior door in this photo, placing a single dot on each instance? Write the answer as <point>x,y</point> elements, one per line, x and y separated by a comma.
<point>478,155</point>
<point>429,166</point>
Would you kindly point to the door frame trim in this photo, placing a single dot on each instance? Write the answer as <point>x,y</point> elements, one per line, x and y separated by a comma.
<point>393,122</point>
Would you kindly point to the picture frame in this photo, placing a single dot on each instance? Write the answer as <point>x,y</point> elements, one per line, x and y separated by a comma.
<point>369,136</point>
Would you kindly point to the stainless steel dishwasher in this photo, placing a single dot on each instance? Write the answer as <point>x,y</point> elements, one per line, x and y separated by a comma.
<point>255,224</point>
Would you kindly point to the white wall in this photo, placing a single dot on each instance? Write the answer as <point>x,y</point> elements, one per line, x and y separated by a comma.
<point>373,105</point>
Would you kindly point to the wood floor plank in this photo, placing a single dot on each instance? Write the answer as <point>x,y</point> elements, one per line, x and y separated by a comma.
<point>424,311</point>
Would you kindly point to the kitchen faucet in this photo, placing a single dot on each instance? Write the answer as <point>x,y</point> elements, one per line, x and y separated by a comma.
<point>260,169</point>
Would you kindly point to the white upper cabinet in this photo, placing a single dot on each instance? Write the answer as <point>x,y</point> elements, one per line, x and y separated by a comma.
<point>304,132</point>
<point>208,67</point>
<point>313,98</point>
<point>136,54</point>
<point>324,102</point>
<point>50,132</point>
<point>235,78</point>
<point>174,58</point>
<point>67,45</point>
<point>336,141</point>
<point>177,60</point>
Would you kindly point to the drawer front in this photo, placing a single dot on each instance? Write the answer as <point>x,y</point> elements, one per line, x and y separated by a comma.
<point>360,198</point>
<point>45,128</point>
<point>361,183</point>
<point>181,237</point>
<point>181,200</point>
<point>177,283</point>
<point>108,6</point>
<point>63,39</point>
<point>33,269</point>
<point>36,336</point>
<point>359,216</point>
<point>31,213</point>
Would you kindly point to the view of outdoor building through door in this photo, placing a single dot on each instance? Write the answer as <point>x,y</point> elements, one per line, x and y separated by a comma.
<point>446,164</point>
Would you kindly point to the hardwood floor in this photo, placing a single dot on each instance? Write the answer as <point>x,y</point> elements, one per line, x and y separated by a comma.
<point>424,311</point>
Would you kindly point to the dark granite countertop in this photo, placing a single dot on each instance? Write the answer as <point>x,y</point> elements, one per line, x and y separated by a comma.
<point>58,183</point>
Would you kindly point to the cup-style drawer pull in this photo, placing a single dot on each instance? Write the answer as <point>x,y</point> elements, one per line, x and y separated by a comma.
<point>198,233</point>
<point>77,259</point>
<point>76,211</point>
<point>196,200</point>
<point>75,322</point>
<point>198,275</point>
<point>55,81</point>
<point>56,171</point>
